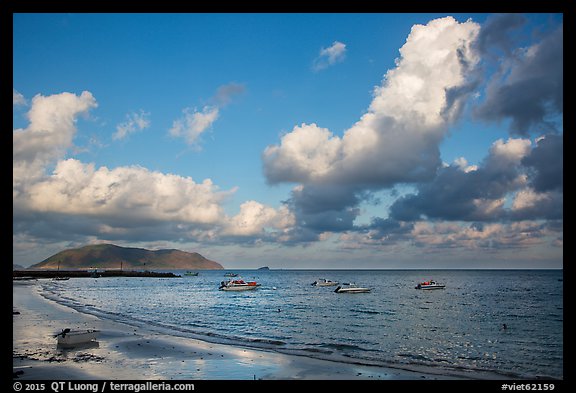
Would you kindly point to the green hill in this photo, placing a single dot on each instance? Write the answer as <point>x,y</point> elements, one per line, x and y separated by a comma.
<point>110,256</point>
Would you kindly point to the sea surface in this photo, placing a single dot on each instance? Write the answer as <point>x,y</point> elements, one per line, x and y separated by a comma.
<point>455,331</point>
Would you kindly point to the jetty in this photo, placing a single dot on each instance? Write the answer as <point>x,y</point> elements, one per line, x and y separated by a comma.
<point>89,273</point>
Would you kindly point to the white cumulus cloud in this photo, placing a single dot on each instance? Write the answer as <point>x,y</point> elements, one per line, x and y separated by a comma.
<point>49,134</point>
<point>397,139</point>
<point>133,193</point>
<point>306,153</point>
<point>17,98</point>
<point>329,56</point>
<point>134,122</point>
<point>254,218</point>
<point>194,123</point>
<point>84,201</point>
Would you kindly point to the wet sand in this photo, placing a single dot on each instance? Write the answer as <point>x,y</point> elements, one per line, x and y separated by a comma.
<point>127,352</point>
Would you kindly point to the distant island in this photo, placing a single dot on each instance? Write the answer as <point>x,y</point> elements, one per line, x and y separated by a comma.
<point>264,268</point>
<point>110,256</point>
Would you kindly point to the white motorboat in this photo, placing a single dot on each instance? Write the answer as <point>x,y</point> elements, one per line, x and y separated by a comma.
<point>238,285</point>
<point>431,284</point>
<point>322,282</point>
<point>68,337</point>
<point>351,288</point>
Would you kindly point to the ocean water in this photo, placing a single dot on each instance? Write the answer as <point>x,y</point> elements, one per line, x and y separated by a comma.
<point>455,331</point>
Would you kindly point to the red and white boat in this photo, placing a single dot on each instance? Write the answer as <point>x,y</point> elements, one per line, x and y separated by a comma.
<point>431,284</point>
<point>238,285</point>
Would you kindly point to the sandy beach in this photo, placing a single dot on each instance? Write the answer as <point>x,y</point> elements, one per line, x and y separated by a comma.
<point>128,352</point>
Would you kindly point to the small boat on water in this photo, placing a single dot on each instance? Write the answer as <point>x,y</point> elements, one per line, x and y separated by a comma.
<point>322,282</point>
<point>58,277</point>
<point>351,288</point>
<point>238,285</point>
<point>189,273</point>
<point>430,284</point>
<point>69,337</point>
<point>230,274</point>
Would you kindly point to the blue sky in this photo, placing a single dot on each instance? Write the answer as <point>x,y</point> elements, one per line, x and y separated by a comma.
<point>292,140</point>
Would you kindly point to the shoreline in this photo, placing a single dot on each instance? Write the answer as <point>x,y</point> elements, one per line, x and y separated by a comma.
<point>127,352</point>
<point>88,273</point>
